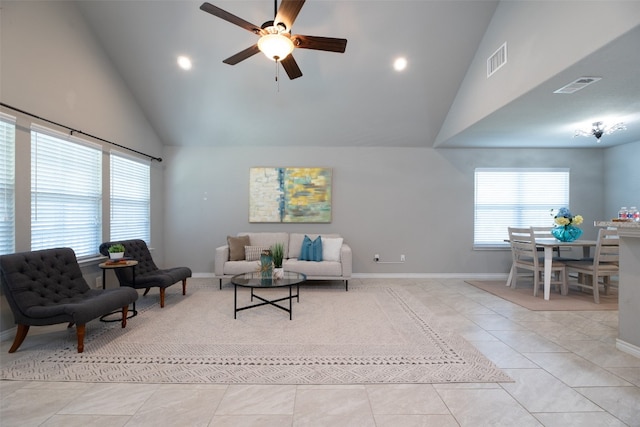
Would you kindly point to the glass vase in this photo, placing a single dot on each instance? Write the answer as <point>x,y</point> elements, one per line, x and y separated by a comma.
<point>566,233</point>
<point>266,265</point>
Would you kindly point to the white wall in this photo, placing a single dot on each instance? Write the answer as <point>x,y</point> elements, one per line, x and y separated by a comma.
<point>417,202</point>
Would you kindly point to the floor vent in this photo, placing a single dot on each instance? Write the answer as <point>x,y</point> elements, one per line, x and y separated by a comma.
<point>578,84</point>
<point>497,60</point>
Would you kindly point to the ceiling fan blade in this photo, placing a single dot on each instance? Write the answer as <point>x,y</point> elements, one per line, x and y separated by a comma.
<point>291,67</point>
<point>328,44</point>
<point>288,12</point>
<point>241,56</point>
<point>223,14</point>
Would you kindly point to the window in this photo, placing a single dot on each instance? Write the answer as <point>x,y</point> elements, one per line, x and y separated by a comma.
<point>130,198</point>
<point>516,197</point>
<point>66,193</point>
<point>7,184</point>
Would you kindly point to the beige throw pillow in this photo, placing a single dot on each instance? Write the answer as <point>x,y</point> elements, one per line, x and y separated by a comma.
<point>236,247</point>
<point>252,253</point>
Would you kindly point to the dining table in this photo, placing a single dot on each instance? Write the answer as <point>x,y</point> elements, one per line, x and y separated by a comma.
<point>549,245</point>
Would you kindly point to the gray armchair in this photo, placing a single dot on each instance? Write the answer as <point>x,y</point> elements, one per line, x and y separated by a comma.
<point>46,287</point>
<point>146,274</point>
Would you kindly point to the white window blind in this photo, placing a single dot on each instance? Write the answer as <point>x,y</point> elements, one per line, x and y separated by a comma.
<point>7,184</point>
<point>66,193</point>
<point>517,198</point>
<point>130,198</point>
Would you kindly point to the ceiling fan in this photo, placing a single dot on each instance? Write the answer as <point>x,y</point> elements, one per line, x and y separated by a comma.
<point>276,40</point>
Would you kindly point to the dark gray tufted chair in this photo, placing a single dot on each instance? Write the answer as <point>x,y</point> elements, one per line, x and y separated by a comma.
<point>46,288</point>
<point>147,274</point>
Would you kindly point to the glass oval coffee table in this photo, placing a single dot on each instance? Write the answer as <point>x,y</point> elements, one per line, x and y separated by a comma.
<point>255,281</point>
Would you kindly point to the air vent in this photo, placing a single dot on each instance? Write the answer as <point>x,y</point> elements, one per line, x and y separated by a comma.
<point>578,84</point>
<point>497,60</point>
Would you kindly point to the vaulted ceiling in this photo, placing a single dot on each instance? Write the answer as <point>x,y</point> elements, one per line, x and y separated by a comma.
<point>442,99</point>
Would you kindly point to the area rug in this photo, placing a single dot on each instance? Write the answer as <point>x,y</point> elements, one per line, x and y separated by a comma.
<point>576,300</point>
<point>370,334</point>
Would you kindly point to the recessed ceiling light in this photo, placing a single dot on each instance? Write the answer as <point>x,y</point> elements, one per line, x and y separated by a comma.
<point>400,64</point>
<point>184,62</point>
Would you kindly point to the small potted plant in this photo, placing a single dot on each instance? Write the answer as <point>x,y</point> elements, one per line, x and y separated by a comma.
<point>277,252</point>
<point>116,251</point>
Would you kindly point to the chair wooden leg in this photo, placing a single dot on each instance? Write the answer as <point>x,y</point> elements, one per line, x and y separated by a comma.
<point>125,311</point>
<point>184,286</point>
<point>510,277</point>
<point>595,284</point>
<point>80,333</point>
<point>220,283</point>
<point>161,297</point>
<point>146,291</point>
<point>21,334</point>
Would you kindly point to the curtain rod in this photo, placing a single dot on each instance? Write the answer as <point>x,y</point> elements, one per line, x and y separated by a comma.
<point>72,131</point>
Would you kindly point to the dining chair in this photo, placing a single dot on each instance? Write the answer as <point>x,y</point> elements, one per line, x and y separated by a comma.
<point>544,233</point>
<point>525,256</point>
<point>605,264</point>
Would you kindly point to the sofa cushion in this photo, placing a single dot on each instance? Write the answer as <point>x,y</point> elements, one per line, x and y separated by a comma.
<point>311,250</point>
<point>236,247</point>
<point>295,242</point>
<point>311,269</point>
<point>231,268</point>
<point>331,248</point>
<point>252,253</point>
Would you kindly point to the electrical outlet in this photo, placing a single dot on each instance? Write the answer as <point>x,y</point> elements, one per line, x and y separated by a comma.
<point>402,258</point>
<point>376,257</point>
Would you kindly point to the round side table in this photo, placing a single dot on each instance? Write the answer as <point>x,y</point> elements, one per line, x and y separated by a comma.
<point>111,265</point>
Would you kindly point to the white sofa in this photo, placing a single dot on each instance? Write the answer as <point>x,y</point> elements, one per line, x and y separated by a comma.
<point>337,267</point>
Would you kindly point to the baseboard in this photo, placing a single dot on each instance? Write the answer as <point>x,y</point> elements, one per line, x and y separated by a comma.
<point>631,349</point>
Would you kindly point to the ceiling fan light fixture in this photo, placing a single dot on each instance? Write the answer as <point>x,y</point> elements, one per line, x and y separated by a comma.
<point>275,46</point>
<point>598,129</point>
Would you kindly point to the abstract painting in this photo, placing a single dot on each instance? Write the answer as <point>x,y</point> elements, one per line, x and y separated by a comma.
<point>290,195</point>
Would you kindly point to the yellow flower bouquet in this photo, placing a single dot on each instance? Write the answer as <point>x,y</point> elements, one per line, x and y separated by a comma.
<point>566,230</point>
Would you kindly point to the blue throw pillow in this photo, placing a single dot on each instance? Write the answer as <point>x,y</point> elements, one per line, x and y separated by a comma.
<point>311,249</point>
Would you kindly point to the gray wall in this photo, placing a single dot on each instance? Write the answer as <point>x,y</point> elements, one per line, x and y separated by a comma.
<point>51,66</point>
<point>534,55</point>
<point>388,201</point>
<point>417,202</point>
<point>622,178</point>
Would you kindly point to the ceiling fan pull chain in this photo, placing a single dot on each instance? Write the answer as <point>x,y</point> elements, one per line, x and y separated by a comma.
<point>277,79</point>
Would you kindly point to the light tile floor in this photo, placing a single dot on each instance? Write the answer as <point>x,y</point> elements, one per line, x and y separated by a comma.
<point>566,368</point>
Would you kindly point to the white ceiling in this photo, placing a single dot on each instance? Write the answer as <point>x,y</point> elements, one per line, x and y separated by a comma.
<point>355,98</point>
